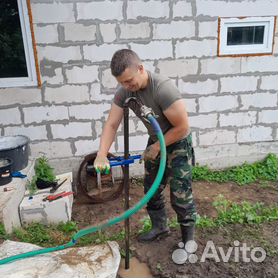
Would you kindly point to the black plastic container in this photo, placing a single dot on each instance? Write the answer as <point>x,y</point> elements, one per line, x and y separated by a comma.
<point>5,171</point>
<point>42,184</point>
<point>16,148</point>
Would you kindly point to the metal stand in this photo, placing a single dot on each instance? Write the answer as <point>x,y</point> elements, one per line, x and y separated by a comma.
<point>126,184</point>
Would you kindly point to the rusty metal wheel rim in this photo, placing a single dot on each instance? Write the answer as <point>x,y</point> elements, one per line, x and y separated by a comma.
<point>97,199</point>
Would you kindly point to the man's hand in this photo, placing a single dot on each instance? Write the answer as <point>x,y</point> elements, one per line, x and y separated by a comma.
<point>102,164</point>
<point>151,152</point>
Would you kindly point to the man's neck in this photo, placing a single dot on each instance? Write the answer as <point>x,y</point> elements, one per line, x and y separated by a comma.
<point>146,80</point>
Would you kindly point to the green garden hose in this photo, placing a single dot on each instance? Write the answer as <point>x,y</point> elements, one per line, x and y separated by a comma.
<point>117,219</point>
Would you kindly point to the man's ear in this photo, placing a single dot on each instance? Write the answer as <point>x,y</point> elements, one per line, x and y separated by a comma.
<point>141,68</point>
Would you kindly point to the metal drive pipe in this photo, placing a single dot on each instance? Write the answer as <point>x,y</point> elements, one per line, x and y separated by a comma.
<point>126,183</point>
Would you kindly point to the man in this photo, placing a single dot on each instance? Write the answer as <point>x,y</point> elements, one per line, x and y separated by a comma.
<point>161,95</point>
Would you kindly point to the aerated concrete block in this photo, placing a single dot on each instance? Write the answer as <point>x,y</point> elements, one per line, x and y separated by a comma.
<point>35,209</point>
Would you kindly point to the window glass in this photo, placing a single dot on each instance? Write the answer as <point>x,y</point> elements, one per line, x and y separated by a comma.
<point>245,35</point>
<point>12,55</point>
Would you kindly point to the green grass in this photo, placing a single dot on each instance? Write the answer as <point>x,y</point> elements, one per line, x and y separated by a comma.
<point>52,235</point>
<point>228,213</point>
<point>242,213</point>
<point>265,170</point>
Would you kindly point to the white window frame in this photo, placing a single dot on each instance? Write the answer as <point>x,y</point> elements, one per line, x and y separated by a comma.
<point>31,80</point>
<point>265,48</point>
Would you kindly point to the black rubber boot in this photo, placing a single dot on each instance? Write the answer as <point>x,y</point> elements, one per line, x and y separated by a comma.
<point>159,226</point>
<point>187,233</point>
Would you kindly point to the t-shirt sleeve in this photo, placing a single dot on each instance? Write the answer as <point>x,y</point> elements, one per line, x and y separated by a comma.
<point>167,94</point>
<point>119,97</point>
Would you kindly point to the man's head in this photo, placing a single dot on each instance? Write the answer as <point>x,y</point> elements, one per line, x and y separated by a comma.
<point>127,68</point>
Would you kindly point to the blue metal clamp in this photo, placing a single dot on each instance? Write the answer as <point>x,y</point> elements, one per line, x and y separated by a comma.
<point>120,161</point>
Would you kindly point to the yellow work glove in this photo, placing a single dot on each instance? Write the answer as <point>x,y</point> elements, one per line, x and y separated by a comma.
<point>150,152</point>
<point>101,164</point>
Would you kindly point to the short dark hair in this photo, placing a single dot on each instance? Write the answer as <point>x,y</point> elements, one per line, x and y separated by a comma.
<point>122,59</point>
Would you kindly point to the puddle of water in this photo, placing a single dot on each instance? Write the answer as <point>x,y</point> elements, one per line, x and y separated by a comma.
<point>136,269</point>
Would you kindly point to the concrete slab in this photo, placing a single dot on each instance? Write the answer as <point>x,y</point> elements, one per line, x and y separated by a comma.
<point>35,209</point>
<point>10,199</point>
<point>100,261</point>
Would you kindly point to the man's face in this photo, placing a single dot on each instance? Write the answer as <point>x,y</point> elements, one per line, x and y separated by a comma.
<point>132,79</point>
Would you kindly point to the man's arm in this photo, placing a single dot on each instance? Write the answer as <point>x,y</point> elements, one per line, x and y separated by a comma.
<point>177,115</point>
<point>107,137</point>
<point>110,129</point>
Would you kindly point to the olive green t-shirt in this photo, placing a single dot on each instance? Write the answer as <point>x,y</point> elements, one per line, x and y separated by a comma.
<point>159,94</point>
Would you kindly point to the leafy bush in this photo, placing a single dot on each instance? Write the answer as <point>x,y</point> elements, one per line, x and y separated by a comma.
<point>43,171</point>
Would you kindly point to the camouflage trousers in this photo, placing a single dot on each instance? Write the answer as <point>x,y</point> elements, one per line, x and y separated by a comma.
<point>178,175</point>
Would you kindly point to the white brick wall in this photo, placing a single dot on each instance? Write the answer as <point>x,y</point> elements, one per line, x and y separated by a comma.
<point>208,29</point>
<point>141,127</point>
<point>254,64</point>
<point>55,79</point>
<point>101,53</point>
<point>233,154</point>
<point>33,132</point>
<point>89,111</point>
<point>150,9</point>
<point>238,119</point>
<point>203,121</point>
<point>195,48</point>
<point>84,147</point>
<point>194,139</point>
<point>149,65</point>
<point>268,117</point>
<point>182,9</point>
<point>108,32</point>
<point>97,95</point>
<point>136,143</point>
<point>53,12</point>
<point>153,50</point>
<point>178,68</point>
<point>220,66</point>
<point>254,134</point>
<point>131,31</point>
<point>67,94</point>
<point>190,104</point>
<point>20,96</point>
<point>45,114</point>
<point>46,34</point>
<point>217,137</point>
<point>104,10</point>
<point>258,100</point>
<point>50,149</point>
<point>227,98</point>
<point>71,130</point>
<point>66,54</point>
<point>200,87</point>
<point>239,84</point>
<point>269,82</point>
<point>82,74</point>
<point>10,116</point>
<point>236,8</point>
<point>215,103</point>
<point>175,29</point>
<point>98,128</point>
<point>79,32</point>
<point>108,80</point>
